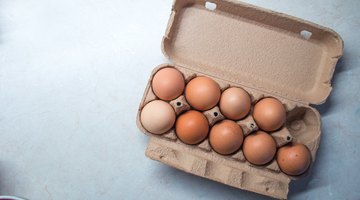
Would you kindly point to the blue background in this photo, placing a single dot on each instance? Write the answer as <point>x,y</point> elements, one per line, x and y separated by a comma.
<point>73,72</point>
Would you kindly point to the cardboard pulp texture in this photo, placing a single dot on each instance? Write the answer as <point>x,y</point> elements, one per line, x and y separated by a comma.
<point>267,54</point>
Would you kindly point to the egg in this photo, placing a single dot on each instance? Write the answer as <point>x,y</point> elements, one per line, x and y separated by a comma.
<point>202,93</point>
<point>235,103</point>
<point>269,114</point>
<point>226,137</point>
<point>259,148</point>
<point>157,117</point>
<point>294,159</point>
<point>192,127</point>
<point>168,83</point>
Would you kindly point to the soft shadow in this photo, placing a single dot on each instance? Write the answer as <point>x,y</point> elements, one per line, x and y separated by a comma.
<point>309,182</point>
<point>340,68</point>
<point>299,186</point>
<point>2,184</point>
<point>303,184</point>
<point>5,189</point>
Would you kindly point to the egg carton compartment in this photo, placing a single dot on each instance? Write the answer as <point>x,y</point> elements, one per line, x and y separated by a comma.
<point>302,125</point>
<point>222,169</point>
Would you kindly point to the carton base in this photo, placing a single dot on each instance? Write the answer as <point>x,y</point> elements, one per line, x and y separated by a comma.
<point>218,168</point>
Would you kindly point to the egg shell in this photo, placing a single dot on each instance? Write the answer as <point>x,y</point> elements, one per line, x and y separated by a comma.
<point>202,93</point>
<point>259,148</point>
<point>192,127</point>
<point>269,114</point>
<point>294,159</point>
<point>157,117</point>
<point>226,137</point>
<point>168,83</point>
<point>235,103</point>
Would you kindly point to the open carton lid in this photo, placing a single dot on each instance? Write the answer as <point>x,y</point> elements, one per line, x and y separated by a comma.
<point>254,47</point>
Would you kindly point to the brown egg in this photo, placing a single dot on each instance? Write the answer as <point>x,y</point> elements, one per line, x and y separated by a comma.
<point>192,127</point>
<point>235,103</point>
<point>259,148</point>
<point>226,137</point>
<point>294,159</point>
<point>269,114</point>
<point>202,93</point>
<point>168,83</point>
<point>157,117</point>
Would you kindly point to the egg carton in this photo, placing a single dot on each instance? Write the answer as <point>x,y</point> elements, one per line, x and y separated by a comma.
<point>169,149</point>
<point>265,53</point>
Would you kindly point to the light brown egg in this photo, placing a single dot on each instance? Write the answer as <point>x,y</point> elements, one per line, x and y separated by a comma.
<point>168,83</point>
<point>157,117</point>
<point>269,114</point>
<point>226,137</point>
<point>294,159</point>
<point>202,93</point>
<point>259,148</point>
<point>192,127</point>
<point>235,103</point>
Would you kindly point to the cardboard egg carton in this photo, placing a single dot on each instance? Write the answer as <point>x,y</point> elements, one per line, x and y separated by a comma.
<point>268,54</point>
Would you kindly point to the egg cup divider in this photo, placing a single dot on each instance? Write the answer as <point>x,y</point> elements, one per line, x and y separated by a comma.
<point>263,52</point>
<point>282,137</point>
<point>180,105</point>
<point>213,115</point>
<point>248,125</point>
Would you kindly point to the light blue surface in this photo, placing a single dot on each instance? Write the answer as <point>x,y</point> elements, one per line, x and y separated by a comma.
<point>72,74</point>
